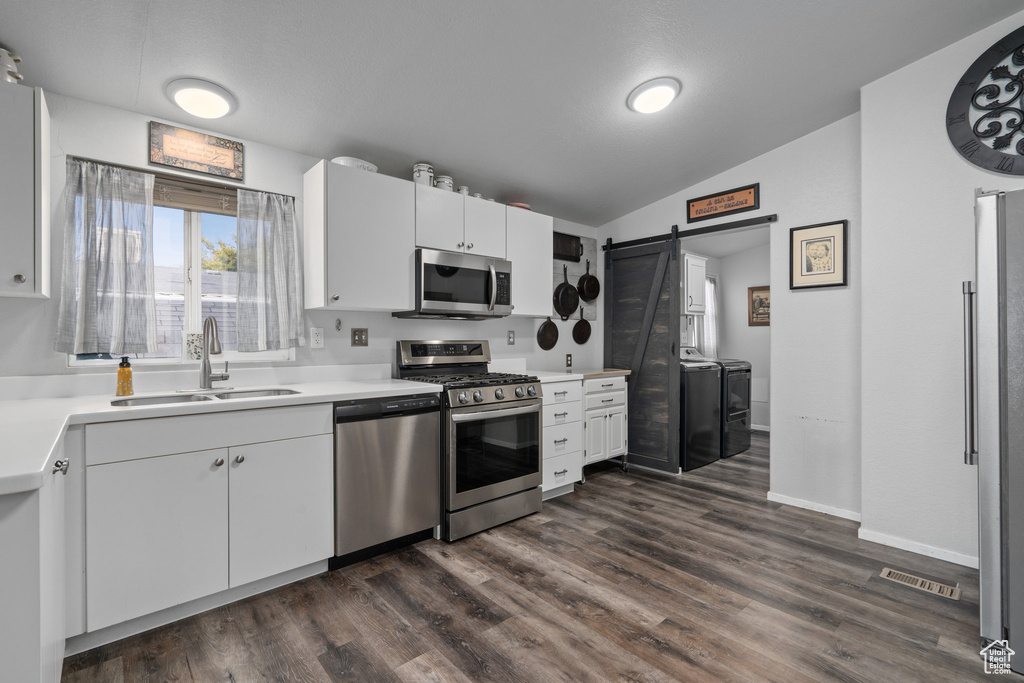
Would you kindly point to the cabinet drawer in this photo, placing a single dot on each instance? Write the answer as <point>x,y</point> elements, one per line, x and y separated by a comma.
<point>562,439</point>
<point>604,384</point>
<point>562,470</point>
<point>606,399</point>
<point>133,439</point>
<point>562,413</point>
<point>562,392</point>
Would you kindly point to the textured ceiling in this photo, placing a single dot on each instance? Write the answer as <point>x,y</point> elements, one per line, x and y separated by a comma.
<point>521,100</point>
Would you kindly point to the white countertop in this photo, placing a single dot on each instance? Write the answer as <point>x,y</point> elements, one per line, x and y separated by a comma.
<point>545,376</point>
<point>31,430</point>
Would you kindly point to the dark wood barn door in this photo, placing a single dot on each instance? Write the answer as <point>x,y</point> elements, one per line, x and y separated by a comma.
<point>642,334</point>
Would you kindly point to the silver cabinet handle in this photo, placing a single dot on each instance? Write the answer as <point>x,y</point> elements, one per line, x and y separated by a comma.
<point>20,279</point>
<point>608,385</point>
<point>561,440</point>
<point>469,246</point>
<point>561,472</point>
<point>970,408</point>
<point>61,466</point>
<point>690,299</point>
<point>461,245</point>
<point>607,400</point>
<point>494,285</point>
<point>218,462</point>
<point>561,414</point>
<point>561,393</point>
<point>335,297</point>
<point>240,459</point>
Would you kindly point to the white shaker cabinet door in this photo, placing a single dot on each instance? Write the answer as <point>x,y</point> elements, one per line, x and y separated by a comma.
<point>695,268</point>
<point>485,227</point>
<point>616,424</point>
<point>596,437</point>
<point>529,248</point>
<point>282,506</point>
<point>156,532</point>
<point>440,219</point>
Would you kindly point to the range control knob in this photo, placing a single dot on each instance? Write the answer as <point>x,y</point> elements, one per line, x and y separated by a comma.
<point>531,390</point>
<point>463,398</point>
<point>499,394</point>
<point>519,392</point>
<point>478,396</point>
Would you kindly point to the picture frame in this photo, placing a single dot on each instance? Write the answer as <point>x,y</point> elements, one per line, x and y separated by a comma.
<point>758,306</point>
<point>818,255</point>
<point>190,150</point>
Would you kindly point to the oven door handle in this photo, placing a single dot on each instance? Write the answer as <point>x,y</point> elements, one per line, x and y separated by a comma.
<point>494,287</point>
<point>498,412</point>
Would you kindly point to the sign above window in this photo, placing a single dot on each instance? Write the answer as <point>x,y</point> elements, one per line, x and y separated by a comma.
<point>191,150</point>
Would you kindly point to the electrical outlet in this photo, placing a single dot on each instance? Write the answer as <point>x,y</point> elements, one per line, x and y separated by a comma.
<point>360,336</point>
<point>511,337</point>
<point>337,324</point>
<point>316,337</point>
<point>568,360</point>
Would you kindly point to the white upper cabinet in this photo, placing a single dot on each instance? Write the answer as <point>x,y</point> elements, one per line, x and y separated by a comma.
<point>694,273</point>
<point>529,248</point>
<point>24,192</point>
<point>451,221</point>
<point>359,231</point>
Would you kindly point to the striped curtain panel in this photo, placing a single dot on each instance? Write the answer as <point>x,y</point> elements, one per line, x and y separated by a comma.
<point>107,302</point>
<point>269,273</point>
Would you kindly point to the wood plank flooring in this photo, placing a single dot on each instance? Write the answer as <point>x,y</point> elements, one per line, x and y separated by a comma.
<point>636,577</point>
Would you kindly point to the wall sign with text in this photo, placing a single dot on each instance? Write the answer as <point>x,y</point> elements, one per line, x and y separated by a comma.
<point>741,199</point>
<point>191,150</point>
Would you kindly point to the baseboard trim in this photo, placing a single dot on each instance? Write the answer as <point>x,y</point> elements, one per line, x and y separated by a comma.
<point>816,507</point>
<point>919,548</point>
<point>760,428</point>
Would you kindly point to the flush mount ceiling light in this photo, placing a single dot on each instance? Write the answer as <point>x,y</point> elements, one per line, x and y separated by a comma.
<point>201,98</point>
<point>654,95</point>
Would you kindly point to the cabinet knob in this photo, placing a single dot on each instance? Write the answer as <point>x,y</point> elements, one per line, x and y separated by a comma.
<point>335,297</point>
<point>218,462</point>
<point>61,466</point>
<point>20,279</point>
<point>469,246</point>
<point>240,459</point>
<point>461,245</point>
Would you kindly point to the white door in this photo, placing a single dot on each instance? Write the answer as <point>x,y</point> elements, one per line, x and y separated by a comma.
<point>616,425</point>
<point>597,448</point>
<point>282,506</point>
<point>528,241</point>
<point>485,227</point>
<point>156,534</point>
<point>440,219</point>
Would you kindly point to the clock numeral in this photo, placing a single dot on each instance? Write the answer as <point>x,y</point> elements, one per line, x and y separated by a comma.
<point>952,121</point>
<point>969,148</point>
<point>1005,165</point>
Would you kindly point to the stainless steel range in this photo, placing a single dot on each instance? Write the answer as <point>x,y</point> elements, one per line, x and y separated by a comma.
<point>491,428</point>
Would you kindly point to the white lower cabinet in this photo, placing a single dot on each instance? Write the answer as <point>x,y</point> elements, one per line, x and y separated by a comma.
<point>165,529</point>
<point>562,436</point>
<point>604,401</point>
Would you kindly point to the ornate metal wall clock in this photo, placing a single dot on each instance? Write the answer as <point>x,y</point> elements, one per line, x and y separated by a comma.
<point>985,116</point>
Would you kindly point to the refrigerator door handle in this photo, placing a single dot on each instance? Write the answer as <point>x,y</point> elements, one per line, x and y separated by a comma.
<point>970,403</point>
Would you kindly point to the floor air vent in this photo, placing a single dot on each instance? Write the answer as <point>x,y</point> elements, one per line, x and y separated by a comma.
<point>921,584</point>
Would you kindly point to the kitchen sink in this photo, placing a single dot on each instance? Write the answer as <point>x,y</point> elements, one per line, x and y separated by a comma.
<point>157,400</point>
<point>255,393</point>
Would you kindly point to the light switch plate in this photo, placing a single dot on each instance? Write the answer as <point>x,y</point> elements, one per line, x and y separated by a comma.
<point>360,336</point>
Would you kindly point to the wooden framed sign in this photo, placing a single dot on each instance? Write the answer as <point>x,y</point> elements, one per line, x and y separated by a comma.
<point>746,198</point>
<point>191,150</point>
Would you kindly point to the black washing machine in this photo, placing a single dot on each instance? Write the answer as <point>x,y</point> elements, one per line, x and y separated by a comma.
<point>735,406</point>
<point>700,425</point>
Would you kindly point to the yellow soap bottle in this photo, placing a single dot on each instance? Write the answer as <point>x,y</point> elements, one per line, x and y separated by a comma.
<point>124,378</point>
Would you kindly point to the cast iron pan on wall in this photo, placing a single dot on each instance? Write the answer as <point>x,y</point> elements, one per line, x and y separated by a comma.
<point>547,335</point>
<point>566,298</point>
<point>589,286</point>
<point>581,330</point>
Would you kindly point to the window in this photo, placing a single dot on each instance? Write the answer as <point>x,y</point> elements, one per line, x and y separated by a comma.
<point>195,261</point>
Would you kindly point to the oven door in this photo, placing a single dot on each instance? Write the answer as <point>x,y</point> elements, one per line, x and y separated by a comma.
<point>456,284</point>
<point>492,452</point>
<point>737,395</point>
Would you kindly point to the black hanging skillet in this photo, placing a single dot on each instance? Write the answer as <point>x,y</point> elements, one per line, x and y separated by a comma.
<point>566,298</point>
<point>581,330</point>
<point>589,286</point>
<point>547,335</point>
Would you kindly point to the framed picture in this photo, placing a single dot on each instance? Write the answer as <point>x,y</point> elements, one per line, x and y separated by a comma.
<point>817,255</point>
<point>191,150</point>
<point>758,306</point>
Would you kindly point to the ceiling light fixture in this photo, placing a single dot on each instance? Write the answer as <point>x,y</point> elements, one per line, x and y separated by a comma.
<point>201,98</point>
<point>654,95</point>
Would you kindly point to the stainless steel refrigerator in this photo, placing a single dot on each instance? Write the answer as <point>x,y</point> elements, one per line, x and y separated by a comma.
<point>994,398</point>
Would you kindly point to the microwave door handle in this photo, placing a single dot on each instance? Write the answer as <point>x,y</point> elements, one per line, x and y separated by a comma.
<point>970,405</point>
<point>494,287</point>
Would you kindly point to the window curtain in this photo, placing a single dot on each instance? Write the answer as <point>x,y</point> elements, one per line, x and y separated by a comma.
<point>707,327</point>
<point>269,273</point>
<point>107,302</point>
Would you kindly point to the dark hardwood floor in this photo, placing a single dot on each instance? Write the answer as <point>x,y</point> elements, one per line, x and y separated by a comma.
<point>636,576</point>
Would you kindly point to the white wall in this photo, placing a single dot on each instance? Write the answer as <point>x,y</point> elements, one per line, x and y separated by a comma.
<point>918,245</point>
<point>750,268</point>
<point>84,129</point>
<point>815,350</point>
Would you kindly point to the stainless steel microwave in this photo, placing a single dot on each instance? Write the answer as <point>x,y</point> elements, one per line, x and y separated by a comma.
<point>463,286</point>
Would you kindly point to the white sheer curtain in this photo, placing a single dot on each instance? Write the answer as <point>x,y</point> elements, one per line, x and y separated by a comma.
<point>708,326</point>
<point>269,273</point>
<point>107,303</point>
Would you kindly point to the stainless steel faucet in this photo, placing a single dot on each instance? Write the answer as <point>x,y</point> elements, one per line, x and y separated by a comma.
<point>211,344</point>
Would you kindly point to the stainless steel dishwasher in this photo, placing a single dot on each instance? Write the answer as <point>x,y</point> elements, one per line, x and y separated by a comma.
<point>387,481</point>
